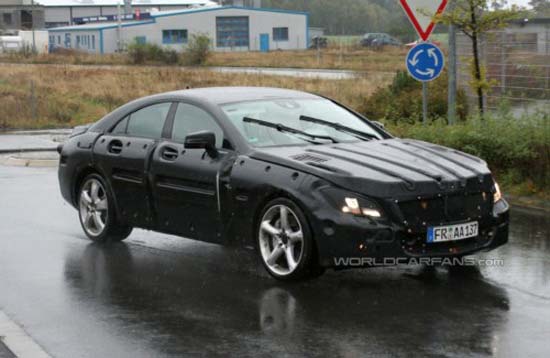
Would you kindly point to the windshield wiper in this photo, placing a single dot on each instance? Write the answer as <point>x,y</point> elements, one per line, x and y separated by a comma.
<point>340,127</point>
<point>283,128</point>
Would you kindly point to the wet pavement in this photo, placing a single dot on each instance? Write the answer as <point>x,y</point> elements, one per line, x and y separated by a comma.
<point>157,295</point>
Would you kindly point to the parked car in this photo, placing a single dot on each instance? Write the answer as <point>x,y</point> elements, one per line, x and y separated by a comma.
<point>379,39</point>
<point>318,42</point>
<point>300,177</point>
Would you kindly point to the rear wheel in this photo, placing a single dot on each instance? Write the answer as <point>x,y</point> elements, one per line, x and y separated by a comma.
<point>285,242</point>
<point>97,213</point>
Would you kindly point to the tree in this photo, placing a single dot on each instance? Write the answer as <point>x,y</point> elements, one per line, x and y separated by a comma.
<point>540,7</point>
<point>475,19</point>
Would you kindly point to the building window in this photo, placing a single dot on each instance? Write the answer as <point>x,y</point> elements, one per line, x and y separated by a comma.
<point>93,42</point>
<point>59,40</point>
<point>232,31</point>
<point>280,34</point>
<point>141,40</point>
<point>7,19</point>
<point>174,37</point>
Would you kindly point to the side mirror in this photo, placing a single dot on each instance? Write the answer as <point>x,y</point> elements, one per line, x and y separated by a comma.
<point>202,140</point>
<point>379,124</point>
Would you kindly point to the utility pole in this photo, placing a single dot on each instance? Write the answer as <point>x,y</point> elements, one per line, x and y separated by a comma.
<point>119,28</point>
<point>451,90</point>
<point>32,28</point>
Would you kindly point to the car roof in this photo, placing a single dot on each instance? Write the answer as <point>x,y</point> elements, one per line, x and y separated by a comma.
<point>208,97</point>
<point>224,95</point>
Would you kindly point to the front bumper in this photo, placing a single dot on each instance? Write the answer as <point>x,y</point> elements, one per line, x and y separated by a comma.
<point>349,239</point>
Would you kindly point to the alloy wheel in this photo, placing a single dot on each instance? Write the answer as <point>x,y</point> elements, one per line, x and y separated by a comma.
<point>281,240</point>
<point>93,207</point>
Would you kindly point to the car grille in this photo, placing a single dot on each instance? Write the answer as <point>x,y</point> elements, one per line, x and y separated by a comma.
<point>446,209</point>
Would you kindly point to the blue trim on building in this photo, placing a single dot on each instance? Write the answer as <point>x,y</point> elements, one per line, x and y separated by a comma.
<point>96,28</point>
<point>175,13</point>
<point>194,11</point>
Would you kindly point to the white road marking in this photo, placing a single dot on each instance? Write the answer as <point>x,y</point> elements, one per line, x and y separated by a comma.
<point>18,341</point>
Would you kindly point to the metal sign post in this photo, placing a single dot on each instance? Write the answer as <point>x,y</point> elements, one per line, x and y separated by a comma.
<point>424,61</point>
<point>424,103</point>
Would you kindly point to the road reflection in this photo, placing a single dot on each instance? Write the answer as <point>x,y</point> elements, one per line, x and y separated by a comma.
<point>182,305</point>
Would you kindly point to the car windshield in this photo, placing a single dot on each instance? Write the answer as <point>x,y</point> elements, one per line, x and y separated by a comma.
<point>288,113</point>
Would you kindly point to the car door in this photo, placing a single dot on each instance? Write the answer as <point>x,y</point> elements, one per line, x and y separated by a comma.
<point>187,183</point>
<point>123,155</point>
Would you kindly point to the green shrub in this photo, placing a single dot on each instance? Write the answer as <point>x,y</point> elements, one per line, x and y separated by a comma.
<point>140,53</point>
<point>517,150</point>
<point>198,50</point>
<point>401,101</point>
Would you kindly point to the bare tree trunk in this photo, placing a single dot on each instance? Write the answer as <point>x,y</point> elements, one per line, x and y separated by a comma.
<point>477,67</point>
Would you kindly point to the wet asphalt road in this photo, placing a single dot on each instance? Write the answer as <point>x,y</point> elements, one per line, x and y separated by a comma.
<point>157,295</point>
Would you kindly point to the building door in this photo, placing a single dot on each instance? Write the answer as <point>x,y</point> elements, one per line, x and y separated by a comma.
<point>264,42</point>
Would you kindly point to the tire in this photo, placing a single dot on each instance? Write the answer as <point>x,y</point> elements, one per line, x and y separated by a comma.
<point>286,246</point>
<point>97,212</point>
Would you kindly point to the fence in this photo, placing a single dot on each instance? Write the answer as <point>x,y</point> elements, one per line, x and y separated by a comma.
<point>517,63</point>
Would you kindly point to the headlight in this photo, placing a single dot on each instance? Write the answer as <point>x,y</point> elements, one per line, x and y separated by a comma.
<point>351,203</point>
<point>497,195</point>
<point>352,206</point>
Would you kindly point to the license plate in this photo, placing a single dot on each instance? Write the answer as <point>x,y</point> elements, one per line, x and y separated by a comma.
<point>453,232</point>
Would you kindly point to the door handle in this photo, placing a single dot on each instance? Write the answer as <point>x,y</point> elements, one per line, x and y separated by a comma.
<point>115,147</point>
<point>168,153</point>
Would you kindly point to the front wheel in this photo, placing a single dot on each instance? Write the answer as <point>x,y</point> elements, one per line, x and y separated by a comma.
<point>285,242</point>
<point>97,213</point>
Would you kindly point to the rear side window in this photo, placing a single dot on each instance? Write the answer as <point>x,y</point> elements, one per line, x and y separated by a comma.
<point>191,119</point>
<point>149,121</point>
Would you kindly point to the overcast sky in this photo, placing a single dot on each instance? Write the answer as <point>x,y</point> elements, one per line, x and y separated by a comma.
<point>519,2</point>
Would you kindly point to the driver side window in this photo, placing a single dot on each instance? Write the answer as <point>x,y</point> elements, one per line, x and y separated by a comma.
<point>191,119</point>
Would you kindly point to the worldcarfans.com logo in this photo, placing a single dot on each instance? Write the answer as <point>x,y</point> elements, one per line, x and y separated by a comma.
<point>428,261</point>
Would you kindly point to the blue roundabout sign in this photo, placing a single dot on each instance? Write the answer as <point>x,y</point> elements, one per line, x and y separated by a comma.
<point>425,62</point>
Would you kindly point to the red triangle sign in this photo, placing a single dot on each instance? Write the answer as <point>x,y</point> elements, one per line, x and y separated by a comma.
<point>421,13</point>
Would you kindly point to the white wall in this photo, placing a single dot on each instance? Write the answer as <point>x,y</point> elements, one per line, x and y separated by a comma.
<point>205,22</point>
<point>40,40</point>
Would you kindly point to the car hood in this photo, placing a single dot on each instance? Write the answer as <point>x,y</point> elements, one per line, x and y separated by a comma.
<point>386,168</point>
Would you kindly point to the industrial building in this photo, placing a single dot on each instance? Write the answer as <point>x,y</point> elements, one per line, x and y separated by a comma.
<point>20,15</point>
<point>68,12</point>
<point>230,28</point>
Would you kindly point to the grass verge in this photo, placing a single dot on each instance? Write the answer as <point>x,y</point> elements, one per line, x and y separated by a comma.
<point>347,57</point>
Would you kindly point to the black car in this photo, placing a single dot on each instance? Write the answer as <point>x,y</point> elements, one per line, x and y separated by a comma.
<point>308,182</point>
<point>379,40</point>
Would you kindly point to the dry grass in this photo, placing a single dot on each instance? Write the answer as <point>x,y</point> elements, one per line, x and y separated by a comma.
<point>66,96</point>
<point>349,58</point>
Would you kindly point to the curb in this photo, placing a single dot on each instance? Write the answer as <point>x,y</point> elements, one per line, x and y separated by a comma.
<point>25,162</point>
<point>528,203</point>
<point>26,150</point>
